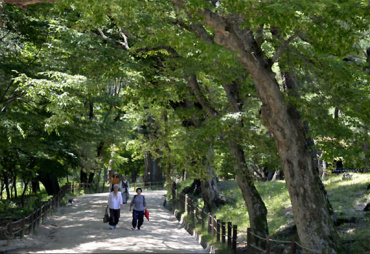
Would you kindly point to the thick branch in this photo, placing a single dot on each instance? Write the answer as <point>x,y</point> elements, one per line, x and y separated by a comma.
<point>281,49</point>
<point>232,92</point>
<point>124,38</point>
<point>198,30</point>
<point>193,83</point>
<point>169,49</point>
<point>23,3</point>
<point>115,41</point>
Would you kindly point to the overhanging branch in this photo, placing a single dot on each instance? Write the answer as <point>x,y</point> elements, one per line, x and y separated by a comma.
<point>281,49</point>
<point>24,3</point>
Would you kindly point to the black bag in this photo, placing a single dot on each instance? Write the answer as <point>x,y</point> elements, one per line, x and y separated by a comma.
<point>106,216</point>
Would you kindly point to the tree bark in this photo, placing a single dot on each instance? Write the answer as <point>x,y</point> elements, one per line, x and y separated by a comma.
<point>15,186</point>
<point>91,177</point>
<point>24,3</point>
<point>1,190</point>
<point>210,193</point>
<point>51,184</point>
<point>23,193</point>
<point>35,186</point>
<point>256,207</point>
<point>83,176</point>
<point>6,182</point>
<point>309,201</point>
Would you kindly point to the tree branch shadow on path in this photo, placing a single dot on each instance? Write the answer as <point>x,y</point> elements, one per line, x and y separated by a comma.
<point>80,228</point>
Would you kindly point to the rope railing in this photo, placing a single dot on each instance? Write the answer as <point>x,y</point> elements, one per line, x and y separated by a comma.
<point>227,232</point>
<point>305,248</point>
<point>32,221</point>
<point>159,185</point>
<point>257,248</point>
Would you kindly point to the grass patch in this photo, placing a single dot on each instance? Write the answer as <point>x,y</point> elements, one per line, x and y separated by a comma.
<point>348,199</point>
<point>275,196</point>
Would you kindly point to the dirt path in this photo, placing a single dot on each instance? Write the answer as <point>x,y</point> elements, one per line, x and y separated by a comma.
<point>79,229</point>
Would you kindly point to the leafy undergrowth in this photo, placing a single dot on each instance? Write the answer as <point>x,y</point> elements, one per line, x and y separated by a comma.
<point>12,209</point>
<point>348,199</point>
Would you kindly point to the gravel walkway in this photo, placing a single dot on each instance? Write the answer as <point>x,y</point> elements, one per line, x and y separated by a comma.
<point>79,229</point>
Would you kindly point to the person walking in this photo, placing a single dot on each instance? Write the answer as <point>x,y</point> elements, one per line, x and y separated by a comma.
<point>139,204</point>
<point>125,188</point>
<point>114,180</point>
<point>114,204</point>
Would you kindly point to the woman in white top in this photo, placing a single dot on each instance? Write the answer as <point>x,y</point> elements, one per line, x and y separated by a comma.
<point>114,204</point>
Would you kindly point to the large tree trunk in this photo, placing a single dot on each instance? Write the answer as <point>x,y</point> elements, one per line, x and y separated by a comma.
<point>50,183</point>
<point>309,200</point>
<point>15,186</point>
<point>91,177</point>
<point>6,182</point>
<point>153,170</point>
<point>35,185</point>
<point>83,176</point>
<point>1,190</point>
<point>256,207</point>
<point>23,3</point>
<point>23,193</point>
<point>168,157</point>
<point>211,195</point>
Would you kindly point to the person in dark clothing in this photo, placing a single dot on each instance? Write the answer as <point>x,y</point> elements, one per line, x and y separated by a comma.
<point>139,204</point>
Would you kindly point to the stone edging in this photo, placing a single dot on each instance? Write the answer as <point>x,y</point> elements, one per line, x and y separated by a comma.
<point>207,246</point>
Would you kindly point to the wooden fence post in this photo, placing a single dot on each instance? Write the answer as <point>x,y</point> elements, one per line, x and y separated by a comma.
<point>31,223</point>
<point>293,246</point>
<point>218,231</point>
<point>209,222</point>
<point>249,238</point>
<point>23,223</point>
<point>229,228</point>
<point>214,225</point>
<point>268,248</point>
<point>176,200</point>
<point>10,231</point>
<point>196,211</point>
<point>38,217</point>
<point>192,211</point>
<point>235,237</point>
<point>202,217</point>
<point>43,209</point>
<point>186,204</point>
<point>223,232</point>
<point>323,251</point>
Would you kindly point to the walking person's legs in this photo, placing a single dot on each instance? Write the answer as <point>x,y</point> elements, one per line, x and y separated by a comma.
<point>134,219</point>
<point>124,199</point>
<point>111,218</point>
<point>116,217</point>
<point>140,215</point>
